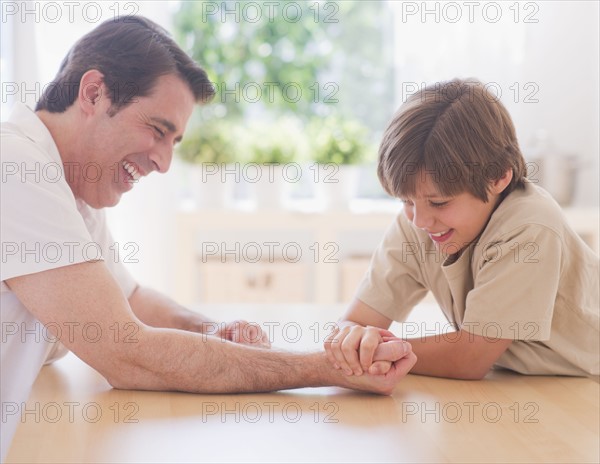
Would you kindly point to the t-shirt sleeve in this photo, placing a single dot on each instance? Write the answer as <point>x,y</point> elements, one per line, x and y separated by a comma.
<point>393,284</point>
<point>115,254</point>
<point>515,286</point>
<point>41,228</point>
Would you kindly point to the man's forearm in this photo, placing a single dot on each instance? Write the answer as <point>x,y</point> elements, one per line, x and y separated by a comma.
<point>165,359</point>
<point>157,310</point>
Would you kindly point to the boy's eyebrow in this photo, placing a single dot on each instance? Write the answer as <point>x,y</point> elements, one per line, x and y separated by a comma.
<point>167,124</point>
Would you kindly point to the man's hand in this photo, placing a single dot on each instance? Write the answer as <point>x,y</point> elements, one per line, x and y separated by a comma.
<point>158,310</point>
<point>354,349</point>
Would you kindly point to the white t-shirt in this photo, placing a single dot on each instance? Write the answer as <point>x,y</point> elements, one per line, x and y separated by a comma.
<point>43,227</point>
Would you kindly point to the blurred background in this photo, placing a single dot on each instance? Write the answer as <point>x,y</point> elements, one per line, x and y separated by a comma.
<point>273,195</point>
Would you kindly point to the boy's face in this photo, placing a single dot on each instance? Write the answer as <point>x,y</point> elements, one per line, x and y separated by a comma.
<point>451,222</point>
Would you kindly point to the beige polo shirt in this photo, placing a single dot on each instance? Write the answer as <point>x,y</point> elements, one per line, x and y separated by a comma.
<point>529,277</point>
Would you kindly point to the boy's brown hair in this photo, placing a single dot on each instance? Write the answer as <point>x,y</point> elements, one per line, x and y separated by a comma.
<point>456,131</point>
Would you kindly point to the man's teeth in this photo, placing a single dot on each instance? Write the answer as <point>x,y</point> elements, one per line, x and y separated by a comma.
<point>439,234</point>
<point>133,172</point>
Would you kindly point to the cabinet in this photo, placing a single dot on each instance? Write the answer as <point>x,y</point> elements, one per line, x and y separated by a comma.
<point>293,257</point>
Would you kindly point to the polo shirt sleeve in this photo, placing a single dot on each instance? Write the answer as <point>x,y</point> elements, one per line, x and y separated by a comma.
<point>515,285</point>
<point>393,284</point>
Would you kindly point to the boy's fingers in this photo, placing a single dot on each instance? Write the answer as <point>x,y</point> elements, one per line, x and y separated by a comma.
<point>385,332</point>
<point>392,350</point>
<point>335,346</point>
<point>404,365</point>
<point>369,343</point>
<point>349,350</point>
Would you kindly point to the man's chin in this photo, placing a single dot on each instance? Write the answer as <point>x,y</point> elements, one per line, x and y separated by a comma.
<point>99,203</point>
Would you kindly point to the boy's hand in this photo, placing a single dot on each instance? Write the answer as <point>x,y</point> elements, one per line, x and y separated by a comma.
<point>384,384</point>
<point>356,349</point>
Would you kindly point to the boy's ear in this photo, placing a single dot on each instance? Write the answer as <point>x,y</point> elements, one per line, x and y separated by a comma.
<point>499,185</point>
<point>91,91</point>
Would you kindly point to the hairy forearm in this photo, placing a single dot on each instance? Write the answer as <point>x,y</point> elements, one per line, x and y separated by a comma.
<point>157,310</point>
<point>165,359</point>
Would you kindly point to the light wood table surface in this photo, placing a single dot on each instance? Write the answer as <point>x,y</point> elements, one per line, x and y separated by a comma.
<point>74,415</point>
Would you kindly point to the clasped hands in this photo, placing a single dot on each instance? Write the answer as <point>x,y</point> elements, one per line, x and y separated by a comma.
<point>353,349</point>
<point>357,350</point>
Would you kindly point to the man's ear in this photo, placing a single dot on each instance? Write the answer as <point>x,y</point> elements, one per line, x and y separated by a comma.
<point>499,185</point>
<point>91,91</point>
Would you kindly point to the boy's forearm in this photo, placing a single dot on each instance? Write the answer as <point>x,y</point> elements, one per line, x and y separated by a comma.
<point>457,355</point>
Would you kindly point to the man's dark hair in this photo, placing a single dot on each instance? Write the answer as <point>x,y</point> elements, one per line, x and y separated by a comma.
<point>132,53</point>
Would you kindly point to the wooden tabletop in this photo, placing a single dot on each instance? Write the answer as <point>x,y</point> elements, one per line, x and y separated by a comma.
<point>73,415</point>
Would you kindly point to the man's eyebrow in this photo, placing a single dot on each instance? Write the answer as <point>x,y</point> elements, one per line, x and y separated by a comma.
<point>167,124</point>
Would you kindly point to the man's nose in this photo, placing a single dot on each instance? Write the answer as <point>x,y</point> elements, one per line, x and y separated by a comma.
<point>161,157</point>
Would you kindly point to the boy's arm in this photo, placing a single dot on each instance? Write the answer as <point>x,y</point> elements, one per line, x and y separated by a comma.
<point>457,355</point>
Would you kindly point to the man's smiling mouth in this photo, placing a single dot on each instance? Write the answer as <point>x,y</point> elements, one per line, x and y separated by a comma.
<point>132,171</point>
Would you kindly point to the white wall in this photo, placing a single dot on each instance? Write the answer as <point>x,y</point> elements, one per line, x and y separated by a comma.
<point>557,55</point>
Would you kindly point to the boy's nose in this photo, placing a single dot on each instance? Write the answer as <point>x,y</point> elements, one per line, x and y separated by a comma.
<point>422,219</point>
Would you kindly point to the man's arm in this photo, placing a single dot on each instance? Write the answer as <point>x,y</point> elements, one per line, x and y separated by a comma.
<point>132,355</point>
<point>460,355</point>
<point>157,310</point>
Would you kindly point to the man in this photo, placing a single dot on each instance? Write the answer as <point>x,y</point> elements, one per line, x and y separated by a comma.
<point>118,105</point>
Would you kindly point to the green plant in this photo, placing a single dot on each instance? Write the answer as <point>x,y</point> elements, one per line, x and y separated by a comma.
<point>339,141</point>
<point>253,63</point>
<point>211,142</point>
<point>281,141</point>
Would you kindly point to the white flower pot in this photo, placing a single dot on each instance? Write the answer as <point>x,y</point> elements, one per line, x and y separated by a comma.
<point>210,187</point>
<point>336,186</point>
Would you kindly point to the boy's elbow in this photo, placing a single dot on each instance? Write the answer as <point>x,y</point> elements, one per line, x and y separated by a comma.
<point>472,376</point>
<point>472,372</point>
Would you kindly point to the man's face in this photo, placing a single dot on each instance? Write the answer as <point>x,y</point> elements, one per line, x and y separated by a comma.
<point>451,222</point>
<point>117,151</point>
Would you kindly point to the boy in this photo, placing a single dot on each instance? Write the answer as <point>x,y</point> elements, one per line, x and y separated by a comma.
<point>518,284</point>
